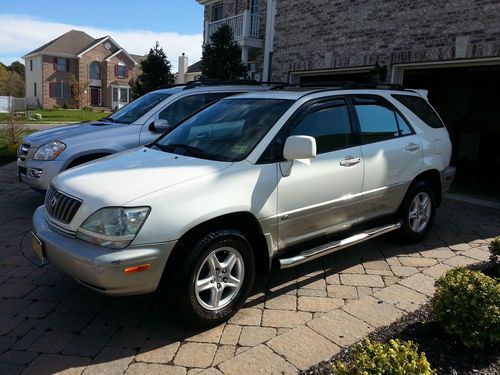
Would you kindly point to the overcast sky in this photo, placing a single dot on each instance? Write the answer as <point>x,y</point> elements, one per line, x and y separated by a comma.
<point>135,25</point>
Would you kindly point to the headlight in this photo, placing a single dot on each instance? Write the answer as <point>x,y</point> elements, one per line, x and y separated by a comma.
<point>49,151</point>
<point>113,227</point>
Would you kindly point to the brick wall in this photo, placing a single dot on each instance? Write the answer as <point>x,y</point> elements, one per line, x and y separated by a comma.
<point>327,34</point>
<point>50,75</point>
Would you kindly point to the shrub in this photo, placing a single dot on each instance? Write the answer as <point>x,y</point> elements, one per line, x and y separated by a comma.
<point>65,106</point>
<point>394,358</point>
<point>495,254</point>
<point>467,304</point>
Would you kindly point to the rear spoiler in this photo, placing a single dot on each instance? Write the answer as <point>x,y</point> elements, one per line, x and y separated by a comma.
<point>423,93</point>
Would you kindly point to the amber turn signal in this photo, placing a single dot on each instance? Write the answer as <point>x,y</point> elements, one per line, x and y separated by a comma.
<point>134,269</point>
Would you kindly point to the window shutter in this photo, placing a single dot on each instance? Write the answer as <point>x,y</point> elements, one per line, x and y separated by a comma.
<point>51,89</point>
<point>116,70</point>
<point>54,64</point>
<point>67,65</point>
<point>126,72</point>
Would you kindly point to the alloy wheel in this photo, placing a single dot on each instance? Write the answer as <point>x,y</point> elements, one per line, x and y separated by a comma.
<point>420,212</point>
<point>219,278</point>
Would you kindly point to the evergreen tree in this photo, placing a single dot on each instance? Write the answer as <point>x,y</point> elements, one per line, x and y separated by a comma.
<point>156,72</point>
<point>222,57</point>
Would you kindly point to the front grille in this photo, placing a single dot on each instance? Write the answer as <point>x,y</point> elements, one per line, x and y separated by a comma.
<point>22,152</point>
<point>60,206</point>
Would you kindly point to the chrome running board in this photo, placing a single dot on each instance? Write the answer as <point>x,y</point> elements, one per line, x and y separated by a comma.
<point>330,247</point>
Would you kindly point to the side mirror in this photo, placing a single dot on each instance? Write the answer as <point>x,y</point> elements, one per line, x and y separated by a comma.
<point>299,147</point>
<point>160,126</point>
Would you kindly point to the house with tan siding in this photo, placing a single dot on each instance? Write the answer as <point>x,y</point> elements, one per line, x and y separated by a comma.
<point>101,67</point>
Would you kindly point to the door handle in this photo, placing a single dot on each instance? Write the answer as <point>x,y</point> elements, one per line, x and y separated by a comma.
<point>412,147</point>
<point>350,161</point>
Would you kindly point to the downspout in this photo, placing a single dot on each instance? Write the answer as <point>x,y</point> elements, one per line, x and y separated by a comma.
<point>268,41</point>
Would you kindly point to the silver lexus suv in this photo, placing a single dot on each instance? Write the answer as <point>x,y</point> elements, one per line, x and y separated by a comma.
<point>44,154</point>
<point>281,176</point>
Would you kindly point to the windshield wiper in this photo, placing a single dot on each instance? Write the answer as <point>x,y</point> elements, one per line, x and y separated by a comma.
<point>190,150</point>
<point>108,119</point>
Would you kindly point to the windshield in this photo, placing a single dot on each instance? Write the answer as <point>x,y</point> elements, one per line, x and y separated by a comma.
<point>226,131</point>
<point>137,108</point>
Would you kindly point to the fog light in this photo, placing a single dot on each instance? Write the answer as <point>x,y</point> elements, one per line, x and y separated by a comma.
<point>34,172</point>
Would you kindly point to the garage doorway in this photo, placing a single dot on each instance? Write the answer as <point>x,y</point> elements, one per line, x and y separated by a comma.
<point>468,99</point>
<point>358,75</point>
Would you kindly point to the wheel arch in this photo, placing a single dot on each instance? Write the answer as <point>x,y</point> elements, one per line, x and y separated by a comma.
<point>242,221</point>
<point>433,177</point>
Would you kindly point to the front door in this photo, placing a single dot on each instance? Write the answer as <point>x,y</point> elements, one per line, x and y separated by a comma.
<point>321,196</point>
<point>95,96</point>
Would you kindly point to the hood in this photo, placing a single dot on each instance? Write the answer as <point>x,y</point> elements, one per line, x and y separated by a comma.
<point>120,178</point>
<point>62,133</point>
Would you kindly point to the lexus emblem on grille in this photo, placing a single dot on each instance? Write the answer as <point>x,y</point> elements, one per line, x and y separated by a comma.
<point>53,202</point>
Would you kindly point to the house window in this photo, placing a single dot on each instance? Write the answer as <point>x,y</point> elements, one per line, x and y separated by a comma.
<point>254,7</point>
<point>124,95</point>
<point>217,13</point>
<point>60,90</point>
<point>34,89</point>
<point>31,66</point>
<point>95,71</point>
<point>61,64</point>
<point>119,96</point>
<point>121,70</point>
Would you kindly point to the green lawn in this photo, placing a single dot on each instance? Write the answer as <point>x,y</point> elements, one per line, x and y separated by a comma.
<point>59,115</point>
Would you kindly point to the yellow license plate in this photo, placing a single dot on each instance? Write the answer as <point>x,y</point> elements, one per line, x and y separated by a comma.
<point>37,245</point>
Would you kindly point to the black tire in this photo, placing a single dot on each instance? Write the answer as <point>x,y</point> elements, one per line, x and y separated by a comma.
<point>188,300</point>
<point>409,231</point>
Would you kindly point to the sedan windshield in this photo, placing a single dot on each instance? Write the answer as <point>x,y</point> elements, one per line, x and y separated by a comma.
<point>226,131</point>
<point>137,108</point>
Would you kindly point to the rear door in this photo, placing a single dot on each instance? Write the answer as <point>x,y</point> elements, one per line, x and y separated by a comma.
<point>321,196</point>
<point>392,154</point>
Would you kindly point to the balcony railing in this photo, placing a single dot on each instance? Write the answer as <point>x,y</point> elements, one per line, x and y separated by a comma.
<point>244,25</point>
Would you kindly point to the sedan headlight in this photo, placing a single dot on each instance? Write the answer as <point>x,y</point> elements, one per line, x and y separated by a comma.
<point>113,227</point>
<point>49,151</point>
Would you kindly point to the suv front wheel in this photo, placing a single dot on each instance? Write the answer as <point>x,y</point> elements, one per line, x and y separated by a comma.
<point>417,211</point>
<point>215,277</point>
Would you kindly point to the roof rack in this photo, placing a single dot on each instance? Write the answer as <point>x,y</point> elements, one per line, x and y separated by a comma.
<point>247,82</point>
<point>343,85</point>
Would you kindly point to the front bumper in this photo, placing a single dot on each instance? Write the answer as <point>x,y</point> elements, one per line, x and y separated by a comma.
<point>103,269</point>
<point>49,169</point>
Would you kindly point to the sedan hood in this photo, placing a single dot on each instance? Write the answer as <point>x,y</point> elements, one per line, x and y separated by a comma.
<point>62,133</point>
<point>120,178</point>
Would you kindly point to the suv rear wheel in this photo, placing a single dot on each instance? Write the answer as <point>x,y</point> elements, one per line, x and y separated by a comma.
<point>215,277</point>
<point>417,211</point>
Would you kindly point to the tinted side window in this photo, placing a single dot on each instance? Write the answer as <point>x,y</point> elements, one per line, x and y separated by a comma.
<point>219,95</point>
<point>421,108</point>
<point>404,128</point>
<point>330,127</point>
<point>378,121</point>
<point>182,108</point>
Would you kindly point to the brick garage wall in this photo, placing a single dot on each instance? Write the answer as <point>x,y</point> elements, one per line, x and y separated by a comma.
<point>327,34</point>
<point>50,75</point>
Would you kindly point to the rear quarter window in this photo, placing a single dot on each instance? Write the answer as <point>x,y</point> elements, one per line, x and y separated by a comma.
<point>421,108</point>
